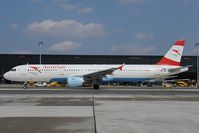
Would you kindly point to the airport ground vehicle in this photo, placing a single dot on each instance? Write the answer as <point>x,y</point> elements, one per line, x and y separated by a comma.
<point>179,83</point>
<point>55,84</point>
<point>168,85</point>
<point>185,83</point>
<point>40,84</point>
<point>182,83</point>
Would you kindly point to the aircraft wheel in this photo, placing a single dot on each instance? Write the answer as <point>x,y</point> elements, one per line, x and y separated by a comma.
<point>96,86</point>
<point>25,87</point>
<point>149,85</point>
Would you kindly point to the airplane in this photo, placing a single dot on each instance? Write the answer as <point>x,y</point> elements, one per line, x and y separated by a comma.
<point>92,74</point>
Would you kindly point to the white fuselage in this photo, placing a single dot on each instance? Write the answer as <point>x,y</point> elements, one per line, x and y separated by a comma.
<point>48,73</point>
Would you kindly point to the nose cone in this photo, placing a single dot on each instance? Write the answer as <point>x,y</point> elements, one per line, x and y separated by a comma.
<point>6,76</point>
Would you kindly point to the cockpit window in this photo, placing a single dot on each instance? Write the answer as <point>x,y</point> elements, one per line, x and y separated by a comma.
<point>13,69</point>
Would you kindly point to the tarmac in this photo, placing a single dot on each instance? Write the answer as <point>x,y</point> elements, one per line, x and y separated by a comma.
<point>116,109</point>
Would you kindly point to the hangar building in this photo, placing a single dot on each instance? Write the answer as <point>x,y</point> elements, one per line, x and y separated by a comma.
<point>7,61</point>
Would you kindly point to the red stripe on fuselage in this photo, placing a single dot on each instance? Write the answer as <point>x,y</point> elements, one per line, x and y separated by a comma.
<point>180,42</point>
<point>166,61</point>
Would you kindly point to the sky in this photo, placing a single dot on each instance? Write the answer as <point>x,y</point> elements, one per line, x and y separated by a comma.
<point>98,27</point>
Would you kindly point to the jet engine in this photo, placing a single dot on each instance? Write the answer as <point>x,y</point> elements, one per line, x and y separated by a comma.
<point>75,81</point>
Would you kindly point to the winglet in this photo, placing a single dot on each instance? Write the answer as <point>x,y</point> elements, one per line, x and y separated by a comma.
<point>120,67</point>
<point>182,68</point>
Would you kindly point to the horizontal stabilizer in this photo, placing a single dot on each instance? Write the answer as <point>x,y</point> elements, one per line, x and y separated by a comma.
<point>182,68</point>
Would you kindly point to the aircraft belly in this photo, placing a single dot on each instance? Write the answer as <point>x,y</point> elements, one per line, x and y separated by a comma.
<point>132,76</point>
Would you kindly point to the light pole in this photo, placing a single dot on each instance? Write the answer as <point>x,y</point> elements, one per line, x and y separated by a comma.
<point>40,45</point>
<point>197,45</point>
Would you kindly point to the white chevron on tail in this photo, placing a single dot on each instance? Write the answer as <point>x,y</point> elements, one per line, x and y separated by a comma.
<point>174,55</point>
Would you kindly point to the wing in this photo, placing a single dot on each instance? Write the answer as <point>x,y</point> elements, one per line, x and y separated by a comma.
<point>100,74</point>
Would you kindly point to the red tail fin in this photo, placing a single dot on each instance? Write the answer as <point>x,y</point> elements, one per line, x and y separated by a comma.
<point>174,55</point>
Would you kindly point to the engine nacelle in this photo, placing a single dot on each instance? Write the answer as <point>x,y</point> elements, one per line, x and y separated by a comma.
<point>107,79</point>
<point>75,81</point>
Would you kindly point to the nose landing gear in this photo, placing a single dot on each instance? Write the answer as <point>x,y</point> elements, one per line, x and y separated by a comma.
<point>25,85</point>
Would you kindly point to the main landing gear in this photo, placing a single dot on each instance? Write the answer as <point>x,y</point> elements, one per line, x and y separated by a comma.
<point>96,86</point>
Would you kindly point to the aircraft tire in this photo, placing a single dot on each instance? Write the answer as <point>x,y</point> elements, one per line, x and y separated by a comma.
<point>25,87</point>
<point>96,86</point>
